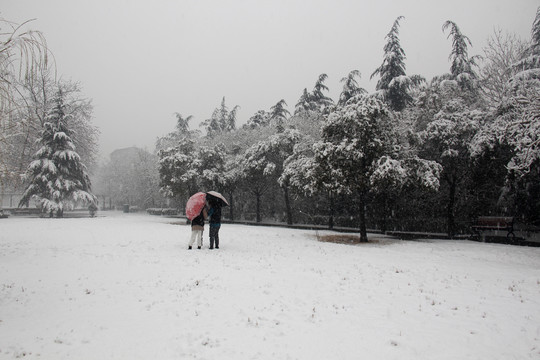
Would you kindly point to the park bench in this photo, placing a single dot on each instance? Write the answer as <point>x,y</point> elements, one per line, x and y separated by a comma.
<point>494,223</point>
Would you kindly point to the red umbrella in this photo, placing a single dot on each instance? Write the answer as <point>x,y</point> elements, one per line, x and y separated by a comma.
<point>195,205</point>
<point>218,196</point>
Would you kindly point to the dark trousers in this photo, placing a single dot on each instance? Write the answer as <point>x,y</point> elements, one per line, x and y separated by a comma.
<point>214,236</point>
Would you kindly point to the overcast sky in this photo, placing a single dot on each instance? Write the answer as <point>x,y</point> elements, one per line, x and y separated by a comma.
<point>142,61</point>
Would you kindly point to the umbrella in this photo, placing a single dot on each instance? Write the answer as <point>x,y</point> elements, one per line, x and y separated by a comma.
<point>217,196</point>
<point>195,205</point>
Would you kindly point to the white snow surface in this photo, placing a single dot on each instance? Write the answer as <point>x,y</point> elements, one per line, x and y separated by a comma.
<point>124,286</point>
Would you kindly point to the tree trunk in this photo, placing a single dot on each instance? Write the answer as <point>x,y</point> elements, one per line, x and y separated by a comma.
<point>386,209</point>
<point>231,207</point>
<point>450,208</point>
<point>362,213</point>
<point>258,196</point>
<point>288,205</point>
<point>332,211</point>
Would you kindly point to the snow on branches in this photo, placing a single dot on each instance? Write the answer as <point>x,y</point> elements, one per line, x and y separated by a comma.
<point>58,179</point>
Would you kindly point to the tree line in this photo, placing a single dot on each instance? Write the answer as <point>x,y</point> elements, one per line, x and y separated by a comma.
<point>417,154</point>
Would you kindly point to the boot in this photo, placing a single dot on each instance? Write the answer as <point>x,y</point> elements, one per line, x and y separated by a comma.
<point>189,248</point>
<point>198,247</point>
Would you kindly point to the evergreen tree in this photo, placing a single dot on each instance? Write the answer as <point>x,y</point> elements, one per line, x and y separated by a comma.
<point>462,68</point>
<point>222,120</point>
<point>321,101</point>
<point>393,83</point>
<point>181,131</point>
<point>278,114</point>
<point>304,104</point>
<point>350,87</point>
<point>260,118</point>
<point>58,179</point>
<point>182,124</point>
<point>316,100</point>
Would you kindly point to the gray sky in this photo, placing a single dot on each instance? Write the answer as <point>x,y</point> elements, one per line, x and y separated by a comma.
<point>142,61</point>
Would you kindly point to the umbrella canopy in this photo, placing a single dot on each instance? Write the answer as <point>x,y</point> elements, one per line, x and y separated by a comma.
<point>195,205</point>
<point>218,197</point>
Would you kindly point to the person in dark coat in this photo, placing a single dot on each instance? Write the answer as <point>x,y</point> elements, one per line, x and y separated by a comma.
<point>214,222</point>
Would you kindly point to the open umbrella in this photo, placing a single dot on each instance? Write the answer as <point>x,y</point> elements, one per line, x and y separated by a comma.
<point>195,205</point>
<point>218,197</point>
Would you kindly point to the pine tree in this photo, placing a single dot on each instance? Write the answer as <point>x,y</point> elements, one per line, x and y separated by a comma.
<point>182,131</point>
<point>315,100</point>
<point>318,96</point>
<point>222,120</point>
<point>182,124</point>
<point>462,68</point>
<point>278,114</point>
<point>350,87</point>
<point>304,103</point>
<point>58,179</point>
<point>393,83</point>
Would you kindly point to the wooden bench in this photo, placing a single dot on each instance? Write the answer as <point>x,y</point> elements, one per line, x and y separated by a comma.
<point>494,223</point>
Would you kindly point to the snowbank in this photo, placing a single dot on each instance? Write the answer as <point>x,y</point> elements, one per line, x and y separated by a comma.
<point>125,287</point>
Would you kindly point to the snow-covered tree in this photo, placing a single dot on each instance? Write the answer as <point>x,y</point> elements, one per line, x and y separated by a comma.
<point>354,138</point>
<point>317,95</point>
<point>306,176</point>
<point>57,177</point>
<point>393,84</point>
<point>265,161</point>
<point>517,119</point>
<point>304,103</point>
<point>501,53</point>
<point>463,67</point>
<point>278,114</point>
<point>222,120</point>
<point>447,140</point>
<point>21,128</point>
<point>23,55</point>
<point>209,163</point>
<point>180,132</point>
<point>351,88</point>
<point>176,178</point>
<point>315,100</point>
<point>260,118</point>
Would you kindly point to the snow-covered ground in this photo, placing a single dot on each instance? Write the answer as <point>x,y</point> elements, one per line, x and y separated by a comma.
<point>125,286</point>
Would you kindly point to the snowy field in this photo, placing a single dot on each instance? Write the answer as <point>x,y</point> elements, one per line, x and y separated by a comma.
<point>125,286</point>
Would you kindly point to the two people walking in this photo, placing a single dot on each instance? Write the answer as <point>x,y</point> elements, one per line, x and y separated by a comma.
<point>201,207</point>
